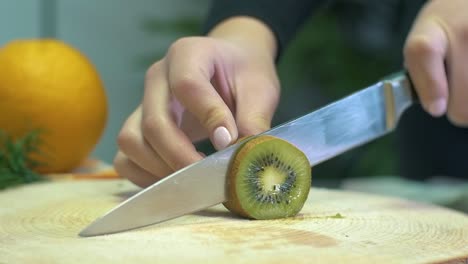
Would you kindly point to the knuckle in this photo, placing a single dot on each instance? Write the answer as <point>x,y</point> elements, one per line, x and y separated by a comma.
<point>126,139</point>
<point>152,71</point>
<point>420,47</point>
<point>212,117</point>
<point>189,49</point>
<point>184,84</point>
<point>181,44</point>
<point>151,125</point>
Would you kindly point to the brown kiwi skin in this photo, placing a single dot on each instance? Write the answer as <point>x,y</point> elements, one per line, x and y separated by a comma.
<point>232,204</point>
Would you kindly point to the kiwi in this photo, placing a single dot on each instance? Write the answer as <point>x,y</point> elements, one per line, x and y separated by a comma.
<point>268,178</point>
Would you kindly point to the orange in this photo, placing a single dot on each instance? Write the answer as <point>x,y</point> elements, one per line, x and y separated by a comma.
<point>49,85</point>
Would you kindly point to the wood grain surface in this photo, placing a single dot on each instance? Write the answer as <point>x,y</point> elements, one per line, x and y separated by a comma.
<point>39,224</point>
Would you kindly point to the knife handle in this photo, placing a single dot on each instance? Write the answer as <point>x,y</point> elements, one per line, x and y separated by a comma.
<point>401,76</point>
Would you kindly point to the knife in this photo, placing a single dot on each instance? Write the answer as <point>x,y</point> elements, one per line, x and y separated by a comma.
<point>323,134</point>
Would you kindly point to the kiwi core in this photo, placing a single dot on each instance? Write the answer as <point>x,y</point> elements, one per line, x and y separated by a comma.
<point>272,179</point>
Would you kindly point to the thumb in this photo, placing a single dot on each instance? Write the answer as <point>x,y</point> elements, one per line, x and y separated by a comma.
<point>190,73</point>
<point>204,104</point>
<point>257,99</point>
<point>202,101</point>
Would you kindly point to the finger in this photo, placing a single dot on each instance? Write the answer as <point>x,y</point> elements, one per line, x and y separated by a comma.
<point>159,128</point>
<point>192,127</point>
<point>258,98</point>
<point>458,76</point>
<point>126,168</point>
<point>190,81</point>
<point>425,51</point>
<point>138,150</point>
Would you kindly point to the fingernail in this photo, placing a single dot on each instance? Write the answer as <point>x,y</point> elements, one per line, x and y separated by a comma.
<point>437,108</point>
<point>221,138</point>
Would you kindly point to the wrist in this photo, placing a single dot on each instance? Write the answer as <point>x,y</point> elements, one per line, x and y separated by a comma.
<point>248,32</point>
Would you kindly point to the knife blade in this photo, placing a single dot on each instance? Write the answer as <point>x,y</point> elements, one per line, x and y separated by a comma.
<point>322,134</point>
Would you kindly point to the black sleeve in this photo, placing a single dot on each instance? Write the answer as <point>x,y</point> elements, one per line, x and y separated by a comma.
<point>284,17</point>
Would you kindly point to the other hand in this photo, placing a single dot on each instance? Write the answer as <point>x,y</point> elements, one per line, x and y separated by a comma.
<point>436,56</point>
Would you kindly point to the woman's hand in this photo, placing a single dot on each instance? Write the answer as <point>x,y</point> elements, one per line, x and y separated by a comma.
<point>436,56</point>
<point>222,87</point>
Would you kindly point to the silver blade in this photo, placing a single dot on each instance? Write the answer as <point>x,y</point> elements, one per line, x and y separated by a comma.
<point>350,122</point>
<point>196,187</point>
<point>321,135</point>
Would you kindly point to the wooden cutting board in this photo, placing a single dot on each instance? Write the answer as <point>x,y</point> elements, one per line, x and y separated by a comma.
<point>39,224</point>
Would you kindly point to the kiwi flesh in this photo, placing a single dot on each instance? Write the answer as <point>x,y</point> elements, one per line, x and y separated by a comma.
<point>268,178</point>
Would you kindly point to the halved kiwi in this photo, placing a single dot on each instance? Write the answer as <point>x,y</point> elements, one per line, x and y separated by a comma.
<point>268,178</point>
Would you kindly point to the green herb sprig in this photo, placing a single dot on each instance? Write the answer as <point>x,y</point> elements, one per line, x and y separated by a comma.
<point>16,164</point>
